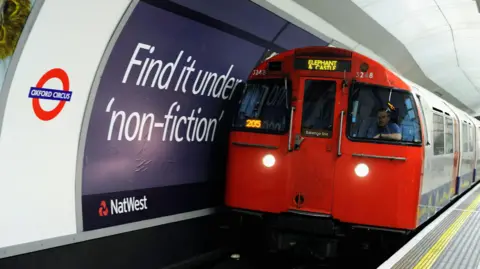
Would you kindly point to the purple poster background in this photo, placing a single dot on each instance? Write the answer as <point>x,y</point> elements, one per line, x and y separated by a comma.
<point>143,160</point>
<point>120,165</point>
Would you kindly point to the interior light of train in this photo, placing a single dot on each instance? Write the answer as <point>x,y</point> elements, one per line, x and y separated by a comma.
<point>392,108</point>
<point>253,123</point>
<point>268,160</point>
<point>361,170</point>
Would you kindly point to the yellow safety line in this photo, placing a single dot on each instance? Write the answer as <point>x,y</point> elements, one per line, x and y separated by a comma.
<point>432,255</point>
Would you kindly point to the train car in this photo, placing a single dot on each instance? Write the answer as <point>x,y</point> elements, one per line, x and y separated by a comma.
<point>327,140</point>
<point>449,164</point>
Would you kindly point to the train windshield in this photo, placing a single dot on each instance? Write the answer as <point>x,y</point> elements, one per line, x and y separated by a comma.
<point>383,114</point>
<point>264,107</point>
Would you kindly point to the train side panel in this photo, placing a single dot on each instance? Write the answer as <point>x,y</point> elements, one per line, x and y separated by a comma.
<point>477,150</point>
<point>427,175</point>
<point>439,179</point>
<point>473,145</point>
<point>467,152</point>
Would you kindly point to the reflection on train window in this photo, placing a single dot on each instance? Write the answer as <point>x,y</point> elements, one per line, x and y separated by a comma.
<point>264,107</point>
<point>478,145</point>
<point>423,116</point>
<point>448,135</point>
<point>471,138</point>
<point>318,108</point>
<point>464,137</point>
<point>438,135</point>
<point>377,113</point>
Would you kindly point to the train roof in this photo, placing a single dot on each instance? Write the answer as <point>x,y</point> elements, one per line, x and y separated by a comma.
<point>385,77</point>
<point>391,78</point>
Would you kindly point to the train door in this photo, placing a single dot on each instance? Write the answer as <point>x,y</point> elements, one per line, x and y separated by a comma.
<point>466,156</point>
<point>472,148</point>
<point>477,149</point>
<point>314,151</point>
<point>456,153</point>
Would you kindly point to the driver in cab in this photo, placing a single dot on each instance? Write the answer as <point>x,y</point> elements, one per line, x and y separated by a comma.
<point>384,128</point>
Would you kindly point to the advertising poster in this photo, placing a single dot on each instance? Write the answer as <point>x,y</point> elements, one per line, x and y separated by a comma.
<point>158,128</point>
<point>13,16</point>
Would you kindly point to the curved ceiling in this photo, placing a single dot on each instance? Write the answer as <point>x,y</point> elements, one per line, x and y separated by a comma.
<point>442,35</point>
<point>434,43</point>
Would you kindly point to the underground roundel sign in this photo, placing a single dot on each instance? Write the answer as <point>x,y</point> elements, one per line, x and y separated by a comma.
<point>58,95</point>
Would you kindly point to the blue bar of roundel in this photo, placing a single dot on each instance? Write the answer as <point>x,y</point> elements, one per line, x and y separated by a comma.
<point>49,98</point>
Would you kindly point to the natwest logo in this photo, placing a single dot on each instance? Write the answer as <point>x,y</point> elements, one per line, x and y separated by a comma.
<point>103,210</point>
<point>122,206</point>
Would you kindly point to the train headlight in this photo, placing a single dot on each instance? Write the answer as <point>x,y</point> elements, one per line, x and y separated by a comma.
<point>268,160</point>
<point>361,170</point>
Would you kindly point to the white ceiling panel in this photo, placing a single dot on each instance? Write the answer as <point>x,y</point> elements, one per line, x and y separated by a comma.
<point>419,14</point>
<point>437,46</point>
<point>476,80</point>
<point>443,36</point>
<point>434,43</point>
<point>467,42</point>
<point>306,17</point>
<point>459,12</point>
<point>409,30</point>
<point>366,51</point>
<point>458,85</point>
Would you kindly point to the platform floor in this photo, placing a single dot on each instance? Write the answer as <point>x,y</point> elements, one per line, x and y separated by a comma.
<point>451,241</point>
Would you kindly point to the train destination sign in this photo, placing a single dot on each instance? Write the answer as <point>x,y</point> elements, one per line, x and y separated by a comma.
<point>322,64</point>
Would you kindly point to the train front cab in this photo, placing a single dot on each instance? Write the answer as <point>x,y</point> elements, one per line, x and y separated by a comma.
<point>310,150</point>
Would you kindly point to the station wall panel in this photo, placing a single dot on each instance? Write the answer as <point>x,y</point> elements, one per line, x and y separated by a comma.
<point>39,138</point>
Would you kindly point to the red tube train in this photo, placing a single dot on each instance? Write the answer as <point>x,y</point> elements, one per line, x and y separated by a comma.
<point>326,139</point>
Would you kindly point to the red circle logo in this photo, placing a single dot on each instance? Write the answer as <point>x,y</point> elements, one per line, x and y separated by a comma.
<point>37,108</point>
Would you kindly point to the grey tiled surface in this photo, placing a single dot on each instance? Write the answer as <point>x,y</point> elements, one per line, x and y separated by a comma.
<point>469,200</point>
<point>463,250</point>
<point>419,250</point>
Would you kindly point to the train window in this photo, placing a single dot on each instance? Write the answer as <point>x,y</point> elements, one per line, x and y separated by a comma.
<point>478,145</point>
<point>383,114</point>
<point>438,135</point>
<point>470,138</point>
<point>464,137</point>
<point>423,117</point>
<point>263,107</point>
<point>318,108</point>
<point>448,135</point>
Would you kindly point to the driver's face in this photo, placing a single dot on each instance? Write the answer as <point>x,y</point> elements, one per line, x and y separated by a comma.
<point>382,118</point>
